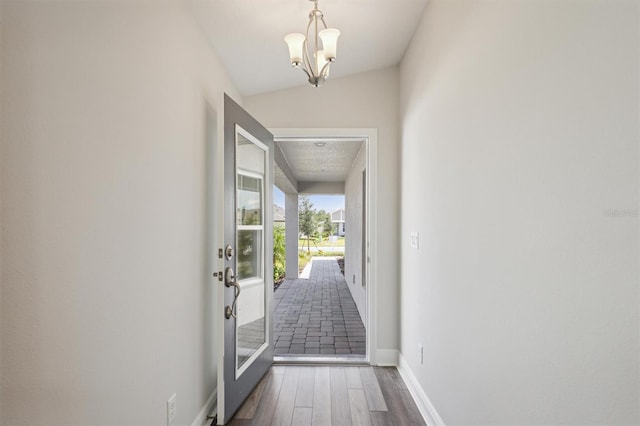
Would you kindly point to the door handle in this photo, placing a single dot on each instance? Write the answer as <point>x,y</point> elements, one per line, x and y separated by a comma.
<point>230,281</point>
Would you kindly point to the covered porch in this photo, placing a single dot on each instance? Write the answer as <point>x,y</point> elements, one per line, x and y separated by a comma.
<point>317,316</point>
<point>321,312</point>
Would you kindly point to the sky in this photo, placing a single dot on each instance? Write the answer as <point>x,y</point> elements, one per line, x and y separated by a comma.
<point>329,203</point>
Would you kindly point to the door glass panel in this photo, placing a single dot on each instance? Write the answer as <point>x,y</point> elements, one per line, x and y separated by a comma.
<point>249,200</point>
<point>250,324</point>
<point>249,254</point>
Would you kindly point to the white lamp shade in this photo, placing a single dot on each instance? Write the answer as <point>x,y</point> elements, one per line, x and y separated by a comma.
<point>329,39</point>
<point>320,62</point>
<point>295,41</point>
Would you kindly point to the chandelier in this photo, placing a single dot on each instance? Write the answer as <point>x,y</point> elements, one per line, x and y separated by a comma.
<point>315,63</point>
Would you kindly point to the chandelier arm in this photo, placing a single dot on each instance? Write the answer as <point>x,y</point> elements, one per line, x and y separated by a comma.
<point>324,23</point>
<point>306,72</point>
<point>308,28</point>
<point>305,59</point>
<point>324,68</point>
<point>317,47</point>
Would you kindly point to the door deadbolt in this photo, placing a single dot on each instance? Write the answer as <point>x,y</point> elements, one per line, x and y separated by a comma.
<point>228,252</point>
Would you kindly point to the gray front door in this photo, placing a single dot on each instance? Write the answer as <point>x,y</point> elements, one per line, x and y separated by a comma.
<point>248,258</point>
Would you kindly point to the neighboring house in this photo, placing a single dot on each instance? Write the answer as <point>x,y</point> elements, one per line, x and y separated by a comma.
<point>337,217</point>
<point>278,216</point>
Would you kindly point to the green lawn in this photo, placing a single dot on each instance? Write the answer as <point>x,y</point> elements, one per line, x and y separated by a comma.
<point>325,243</point>
<point>304,257</point>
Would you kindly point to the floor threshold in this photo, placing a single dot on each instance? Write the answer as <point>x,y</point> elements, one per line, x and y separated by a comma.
<point>320,360</point>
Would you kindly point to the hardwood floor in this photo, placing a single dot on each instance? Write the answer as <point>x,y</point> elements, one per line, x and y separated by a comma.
<point>329,396</point>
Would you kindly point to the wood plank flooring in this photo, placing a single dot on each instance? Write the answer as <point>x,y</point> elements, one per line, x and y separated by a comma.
<point>329,396</point>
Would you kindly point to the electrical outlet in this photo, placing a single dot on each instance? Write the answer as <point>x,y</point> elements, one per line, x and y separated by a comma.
<point>415,240</point>
<point>171,409</point>
<point>420,353</point>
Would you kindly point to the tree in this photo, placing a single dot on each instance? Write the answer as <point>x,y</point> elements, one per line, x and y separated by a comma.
<point>328,225</point>
<point>306,218</point>
<point>324,219</point>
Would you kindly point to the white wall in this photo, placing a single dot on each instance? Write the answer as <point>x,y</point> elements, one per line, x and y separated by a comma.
<point>1,138</point>
<point>353,241</point>
<point>106,295</point>
<point>366,100</point>
<point>519,126</point>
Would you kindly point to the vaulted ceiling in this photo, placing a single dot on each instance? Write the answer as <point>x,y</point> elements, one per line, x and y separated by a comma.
<point>248,36</point>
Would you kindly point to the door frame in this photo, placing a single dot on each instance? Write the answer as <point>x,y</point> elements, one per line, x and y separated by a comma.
<point>370,137</point>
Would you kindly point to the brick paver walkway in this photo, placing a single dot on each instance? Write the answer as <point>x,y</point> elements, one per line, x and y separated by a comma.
<point>317,315</point>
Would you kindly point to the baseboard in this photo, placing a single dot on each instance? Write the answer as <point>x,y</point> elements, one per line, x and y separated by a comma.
<point>387,357</point>
<point>423,402</point>
<point>206,410</point>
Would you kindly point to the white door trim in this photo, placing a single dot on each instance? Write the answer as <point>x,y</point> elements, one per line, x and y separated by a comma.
<point>370,135</point>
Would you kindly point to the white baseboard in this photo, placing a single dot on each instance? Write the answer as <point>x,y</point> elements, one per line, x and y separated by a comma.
<point>423,402</point>
<point>206,410</point>
<point>387,357</point>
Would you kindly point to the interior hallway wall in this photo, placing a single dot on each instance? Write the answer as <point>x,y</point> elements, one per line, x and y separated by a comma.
<point>519,124</point>
<point>353,242</point>
<point>365,100</point>
<point>1,132</point>
<point>106,297</point>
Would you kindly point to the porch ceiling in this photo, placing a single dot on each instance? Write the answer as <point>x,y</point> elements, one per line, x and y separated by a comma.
<point>311,161</point>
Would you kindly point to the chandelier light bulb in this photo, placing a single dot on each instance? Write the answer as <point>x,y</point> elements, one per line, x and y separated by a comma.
<point>320,62</point>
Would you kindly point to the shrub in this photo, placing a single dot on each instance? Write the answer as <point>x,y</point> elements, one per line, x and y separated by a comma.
<point>279,254</point>
<point>303,258</point>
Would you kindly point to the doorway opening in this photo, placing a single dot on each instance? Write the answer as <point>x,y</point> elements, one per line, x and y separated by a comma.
<point>322,306</point>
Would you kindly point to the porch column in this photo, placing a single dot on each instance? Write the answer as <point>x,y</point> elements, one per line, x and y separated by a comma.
<point>291,234</point>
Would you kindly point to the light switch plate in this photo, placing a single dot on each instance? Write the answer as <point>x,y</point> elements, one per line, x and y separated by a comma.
<point>415,240</point>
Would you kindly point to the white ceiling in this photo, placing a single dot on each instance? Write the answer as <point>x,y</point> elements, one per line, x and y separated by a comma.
<point>248,36</point>
<point>329,163</point>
